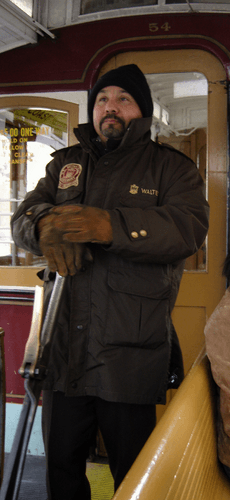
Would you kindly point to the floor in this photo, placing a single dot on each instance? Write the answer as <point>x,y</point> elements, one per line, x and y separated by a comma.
<point>33,479</point>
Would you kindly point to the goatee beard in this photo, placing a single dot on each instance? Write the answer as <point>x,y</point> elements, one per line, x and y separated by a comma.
<point>111,132</point>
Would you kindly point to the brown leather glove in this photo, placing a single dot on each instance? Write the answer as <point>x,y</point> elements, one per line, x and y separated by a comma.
<point>83,224</point>
<point>61,256</point>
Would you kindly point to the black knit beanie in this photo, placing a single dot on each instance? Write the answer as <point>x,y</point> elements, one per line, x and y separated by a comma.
<point>129,78</point>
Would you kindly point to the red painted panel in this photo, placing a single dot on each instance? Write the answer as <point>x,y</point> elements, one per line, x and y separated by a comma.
<point>15,319</point>
<point>73,59</point>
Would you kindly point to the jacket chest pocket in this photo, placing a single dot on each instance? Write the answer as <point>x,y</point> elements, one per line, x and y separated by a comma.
<point>138,308</point>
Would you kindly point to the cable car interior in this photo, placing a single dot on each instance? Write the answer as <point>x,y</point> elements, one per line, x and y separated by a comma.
<point>51,54</point>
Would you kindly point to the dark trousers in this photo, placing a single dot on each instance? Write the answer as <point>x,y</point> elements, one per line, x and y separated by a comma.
<point>69,429</point>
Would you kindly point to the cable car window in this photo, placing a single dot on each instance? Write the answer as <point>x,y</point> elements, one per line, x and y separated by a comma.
<point>180,120</point>
<point>27,138</point>
<point>90,6</point>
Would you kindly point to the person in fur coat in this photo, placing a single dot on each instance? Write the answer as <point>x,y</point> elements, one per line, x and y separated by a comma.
<point>217,338</point>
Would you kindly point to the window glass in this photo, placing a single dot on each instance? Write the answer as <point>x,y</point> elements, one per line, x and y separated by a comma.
<point>27,138</point>
<point>90,6</point>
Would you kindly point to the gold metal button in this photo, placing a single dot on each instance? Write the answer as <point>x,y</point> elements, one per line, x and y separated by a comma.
<point>143,232</point>
<point>29,213</point>
<point>134,234</point>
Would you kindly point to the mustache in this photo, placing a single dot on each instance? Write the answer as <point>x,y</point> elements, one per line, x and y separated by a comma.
<point>113,117</point>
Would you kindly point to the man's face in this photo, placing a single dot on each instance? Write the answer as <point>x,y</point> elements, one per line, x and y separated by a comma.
<point>113,110</point>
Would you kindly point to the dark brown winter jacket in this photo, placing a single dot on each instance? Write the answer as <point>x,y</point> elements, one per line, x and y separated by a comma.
<point>114,332</point>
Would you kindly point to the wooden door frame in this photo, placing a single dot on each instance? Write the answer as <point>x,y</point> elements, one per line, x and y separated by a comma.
<point>26,276</point>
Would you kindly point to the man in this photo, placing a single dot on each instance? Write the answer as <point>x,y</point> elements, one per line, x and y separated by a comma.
<point>117,214</point>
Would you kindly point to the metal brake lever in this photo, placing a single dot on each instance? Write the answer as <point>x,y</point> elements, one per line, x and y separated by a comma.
<point>34,364</point>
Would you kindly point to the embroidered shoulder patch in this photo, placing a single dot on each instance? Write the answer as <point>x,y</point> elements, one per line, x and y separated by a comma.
<point>69,175</point>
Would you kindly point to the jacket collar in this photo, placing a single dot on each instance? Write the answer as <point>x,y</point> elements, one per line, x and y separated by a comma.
<point>137,133</point>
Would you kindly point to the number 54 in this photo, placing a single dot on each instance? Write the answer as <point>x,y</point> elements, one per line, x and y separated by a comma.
<point>154,27</point>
